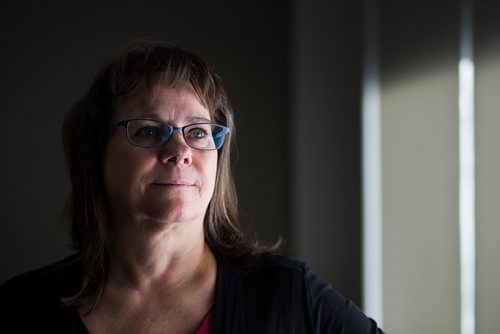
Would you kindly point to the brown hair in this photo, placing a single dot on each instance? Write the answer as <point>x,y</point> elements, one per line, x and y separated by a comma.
<point>85,132</point>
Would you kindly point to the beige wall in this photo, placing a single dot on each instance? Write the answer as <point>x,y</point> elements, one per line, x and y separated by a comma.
<point>420,166</point>
<point>488,188</point>
<point>420,170</point>
<point>420,203</point>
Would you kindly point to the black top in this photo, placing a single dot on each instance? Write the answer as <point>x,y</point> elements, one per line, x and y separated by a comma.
<point>271,294</point>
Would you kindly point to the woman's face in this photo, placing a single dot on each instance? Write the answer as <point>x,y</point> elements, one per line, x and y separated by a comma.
<point>166,184</point>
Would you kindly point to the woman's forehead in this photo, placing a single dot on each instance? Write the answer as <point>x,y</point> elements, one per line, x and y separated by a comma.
<point>183,101</point>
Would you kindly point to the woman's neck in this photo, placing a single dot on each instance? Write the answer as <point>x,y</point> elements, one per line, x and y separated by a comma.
<point>169,255</point>
<point>163,279</point>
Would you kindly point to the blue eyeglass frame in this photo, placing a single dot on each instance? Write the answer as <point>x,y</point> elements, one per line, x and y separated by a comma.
<point>124,123</point>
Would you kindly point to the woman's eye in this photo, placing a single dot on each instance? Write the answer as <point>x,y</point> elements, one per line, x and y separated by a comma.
<point>197,133</point>
<point>149,132</point>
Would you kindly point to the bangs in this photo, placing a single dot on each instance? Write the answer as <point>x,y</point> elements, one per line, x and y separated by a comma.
<point>143,68</point>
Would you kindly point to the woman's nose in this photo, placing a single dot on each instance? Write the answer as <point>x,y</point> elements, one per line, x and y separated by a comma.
<point>175,150</point>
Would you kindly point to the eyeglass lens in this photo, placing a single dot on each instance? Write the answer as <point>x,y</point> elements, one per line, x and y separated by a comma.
<point>150,133</point>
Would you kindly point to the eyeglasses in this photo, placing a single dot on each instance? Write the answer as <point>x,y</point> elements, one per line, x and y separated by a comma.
<point>151,133</point>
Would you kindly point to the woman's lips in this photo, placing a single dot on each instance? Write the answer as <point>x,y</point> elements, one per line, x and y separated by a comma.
<point>174,183</point>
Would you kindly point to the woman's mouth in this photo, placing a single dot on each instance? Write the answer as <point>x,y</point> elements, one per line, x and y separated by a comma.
<point>173,183</point>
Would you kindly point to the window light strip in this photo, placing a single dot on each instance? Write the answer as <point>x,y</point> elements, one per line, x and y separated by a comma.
<point>467,173</point>
<point>371,151</point>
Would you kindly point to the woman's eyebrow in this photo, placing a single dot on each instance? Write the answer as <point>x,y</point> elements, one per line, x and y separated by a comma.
<point>199,120</point>
<point>194,119</point>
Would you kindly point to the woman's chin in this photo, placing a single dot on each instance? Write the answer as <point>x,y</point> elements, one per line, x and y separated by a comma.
<point>171,213</point>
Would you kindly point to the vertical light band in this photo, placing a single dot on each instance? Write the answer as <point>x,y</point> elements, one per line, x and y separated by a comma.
<point>371,150</point>
<point>467,172</point>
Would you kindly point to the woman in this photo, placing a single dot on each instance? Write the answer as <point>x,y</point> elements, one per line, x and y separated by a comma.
<point>154,220</point>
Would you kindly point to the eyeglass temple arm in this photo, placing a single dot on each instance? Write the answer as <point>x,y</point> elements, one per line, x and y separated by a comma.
<point>116,125</point>
<point>222,133</point>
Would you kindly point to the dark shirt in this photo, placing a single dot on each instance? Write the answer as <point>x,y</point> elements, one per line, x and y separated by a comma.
<point>269,294</point>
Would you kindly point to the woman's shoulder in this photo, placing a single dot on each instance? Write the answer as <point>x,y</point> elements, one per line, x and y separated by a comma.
<point>31,302</point>
<point>252,266</point>
<point>268,278</point>
<point>59,279</point>
<point>273,276</point>
<point>269,263</point>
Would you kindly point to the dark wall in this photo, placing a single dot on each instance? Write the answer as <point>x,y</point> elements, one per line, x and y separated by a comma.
<point>326,144</point>
<point>50,53</point>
